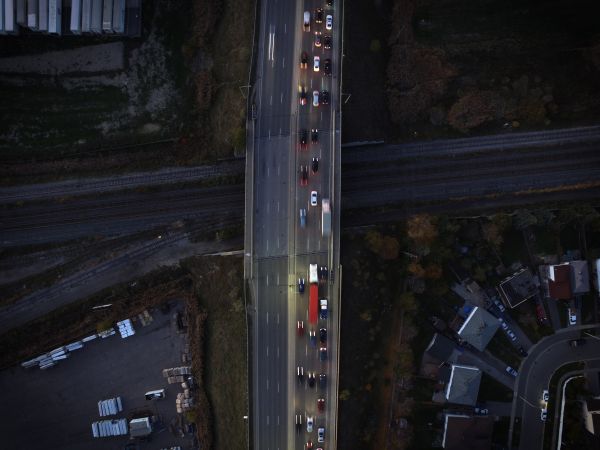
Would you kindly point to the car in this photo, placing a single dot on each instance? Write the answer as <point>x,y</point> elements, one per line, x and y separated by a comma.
<point>323,273</point>
<point>300,373</point>
<point>481,411</point>
<point>572,317</point>
<point>322,381</point>
<point>312,338</point>
<point>512,335</point>
<point>323,309</point>
<point>541,314</point>
<point>328,22</point>
<point>321,434</point>
<point>327,67</point>
<point>301,282</point>
<point>311,379</point>
<point>313,198</point>
<point>303,175</point>
<point>317,39</point>
<point>302,225</point>
<point>327,41</point>
<point>315,98</point>
<point>316,63</point>
<point>304,60</point>
<point>511,371</point>
<point>303,139</point>
<point>314,135</point>
<point>306,23</point>
<point>499,305</point>
<point>315,165</point>
<point>577,342</point>
<point>329,2</point>
<point>309,424</point>
<point>300,328</point>
<point>309,445</point>
<point>522,352</point>
<point>298,423</point>
<point>325,97</point>
<point>323,353</point>
<point>157,394</point>
<point>546,395</point>
<point>503,324</point>
<point>303,96</point>
<point>319,15</point>
<point>543,414</point>
<point>320,404</point>
<point>323,335</point>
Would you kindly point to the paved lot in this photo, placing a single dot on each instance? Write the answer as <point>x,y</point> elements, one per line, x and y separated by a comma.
<point>54,409</point>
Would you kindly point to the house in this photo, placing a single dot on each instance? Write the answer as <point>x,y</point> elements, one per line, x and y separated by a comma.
<point>140,427</point>
<point>463,385</point>
<point>559,281</point>
<point>591,420</point>
<point>440,350</point>
<point>470,292</point>
<point>465,432</point>
<point>580,277</point>
<point>478,328</point>
<point>518,288</point>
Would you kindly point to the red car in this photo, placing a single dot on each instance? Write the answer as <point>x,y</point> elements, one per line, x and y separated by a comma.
<point>303,175</point>
<point>309,445</point>
<point>321,404</point>
<point>300,328</point>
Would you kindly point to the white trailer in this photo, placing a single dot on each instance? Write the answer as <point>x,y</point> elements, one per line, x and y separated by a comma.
<point>86,15</point>
<point>55,17</point>
<point>76,16</point>
<point>43,15</point>
<point>325,217</point>
<point>9,16</point>
<point>32,14</point>
<point>118,19</point>
<point>107,13</point>
<point>313,277</point>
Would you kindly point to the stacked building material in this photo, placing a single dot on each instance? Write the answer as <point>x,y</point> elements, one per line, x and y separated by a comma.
<point>110,407</point>
<point>106,428</point>
<point>125,328</point>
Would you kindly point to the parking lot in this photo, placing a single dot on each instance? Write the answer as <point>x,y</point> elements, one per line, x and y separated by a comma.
<point>55,408</point>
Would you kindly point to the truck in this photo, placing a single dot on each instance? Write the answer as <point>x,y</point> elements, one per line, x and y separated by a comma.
<point>325,217</point>
<point>313,305</point>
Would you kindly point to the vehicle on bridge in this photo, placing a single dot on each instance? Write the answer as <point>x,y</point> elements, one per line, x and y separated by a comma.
<point>325,217</point>
<point>306,23</point>
<point>323,309</point>
<point>313,304</point>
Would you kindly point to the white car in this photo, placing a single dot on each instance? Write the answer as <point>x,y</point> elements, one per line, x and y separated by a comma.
<point>321,434</point>
<point>313,198</point>
<point>499,305</point>
<point>317,62</point>
<point>512,371</point>
<point>545,395</point>
<point>543,414</point>
<point>306,23</point>
<point>315,98</point>
<point>309,424</point>
<point>572,318</point>
<point>328,22</point>
<point>503,324</point>
<point>511,335</point>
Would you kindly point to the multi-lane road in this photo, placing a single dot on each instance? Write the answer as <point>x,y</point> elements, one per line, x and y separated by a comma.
<point>280,248</point>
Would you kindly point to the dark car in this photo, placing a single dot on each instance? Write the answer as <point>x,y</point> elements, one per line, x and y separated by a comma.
<point>304,60</point>
<point>322,381</point>
<point>323,335</point>
<point>321,404</point>
<point>327,41</point>
<point>303,139</point>
<point>312,338</point>
<point>301,285</point>
<point>318,40</point>
<point>522,352</point>
<point>309,445</point>
<point>311,379</point>
<point>323,353</point>
<point>314,135</point>
<point>303,175</point>
<point>323,273</point>
<point>327,67</point>
<point>303,97</point>
<point>325,97</point>
<point>329,2</point>
<point>300,373</point>
<point>300,328</point>
<point>319,15</point>
<point>315,165</point>
<point>298,423</point>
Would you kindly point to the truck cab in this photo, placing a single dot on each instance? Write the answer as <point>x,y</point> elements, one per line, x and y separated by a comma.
<point>323,308</point>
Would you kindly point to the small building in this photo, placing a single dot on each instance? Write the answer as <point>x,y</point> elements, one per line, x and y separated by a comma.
<point>440,350</point>
<point>462,432</point>
<point>140,427</point>
<point>580,277</point>
<point>519,287</point>
<point>559,281</point>
<point>479,328</point>
<point>463,385</point>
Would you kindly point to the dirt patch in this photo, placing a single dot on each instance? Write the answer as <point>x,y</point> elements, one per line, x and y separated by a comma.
<point>456,67</point>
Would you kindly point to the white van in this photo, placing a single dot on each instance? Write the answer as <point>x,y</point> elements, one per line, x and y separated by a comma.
<point>160,393</point>
<point>306,21</point>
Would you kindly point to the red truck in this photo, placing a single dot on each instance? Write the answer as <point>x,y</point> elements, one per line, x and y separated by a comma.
<point>313,306</point>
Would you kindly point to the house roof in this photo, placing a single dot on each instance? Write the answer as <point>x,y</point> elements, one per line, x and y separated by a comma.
<point>518,288</point>
<point>580,277</point>
<point>463,386</point>
<point>479,328</point>
<point>559,281</point>
<point>464,432</point>
<point>440,347</point>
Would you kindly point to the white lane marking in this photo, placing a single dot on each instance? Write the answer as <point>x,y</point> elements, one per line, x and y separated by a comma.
<point>281,101</point>
<point>284,26</point>
<point>268,204</point>
<point>278,242</point>
<point>269,134</point>
<point>271,43</point>
<point>283,62</point>
<point>267,321</point>
<point>267,250</point>
<point>277,420</point>
<point>278,352</point>
<point>278,273</point>
<point>267,384</point>
<point>267,281</point>
<point>311,81</point>
<point>278,170</point>
<point>279,131</point>
<point>306,350</point>
<point>267,345</point>
<point>267,420</point>
<point>278,211</point>
<point>321,116</point>
<point>271,101</point>
<point>268,172</point>
<point>278,387</point>
<point>277,324</point>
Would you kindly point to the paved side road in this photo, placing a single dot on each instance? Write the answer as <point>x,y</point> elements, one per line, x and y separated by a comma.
<point>488,364</point>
